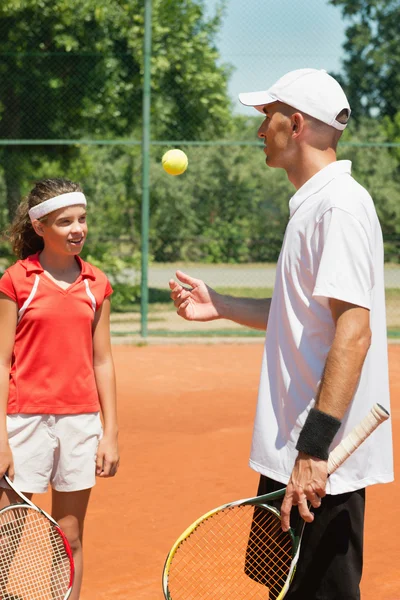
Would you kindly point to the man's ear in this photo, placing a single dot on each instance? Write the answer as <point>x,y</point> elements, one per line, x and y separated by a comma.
<point>38,227</point>
<point>297,123</point>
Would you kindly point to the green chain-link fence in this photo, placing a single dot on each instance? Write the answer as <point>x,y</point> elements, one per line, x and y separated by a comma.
<point>71,104</point>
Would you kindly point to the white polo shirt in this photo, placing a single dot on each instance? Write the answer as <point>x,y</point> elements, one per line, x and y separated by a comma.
<point>332,248</point>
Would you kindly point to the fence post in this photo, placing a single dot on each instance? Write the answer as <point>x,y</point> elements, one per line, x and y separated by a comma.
<point>144,291</point>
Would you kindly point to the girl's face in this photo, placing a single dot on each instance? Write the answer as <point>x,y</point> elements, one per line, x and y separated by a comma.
<point>64,231</point>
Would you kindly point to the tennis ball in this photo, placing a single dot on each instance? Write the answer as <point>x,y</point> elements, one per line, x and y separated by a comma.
<point>175,162</point>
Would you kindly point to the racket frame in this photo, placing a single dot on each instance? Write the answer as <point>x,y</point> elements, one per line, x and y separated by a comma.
<point>377,415</point>
<point>256,502</point>
<point>26,503</point>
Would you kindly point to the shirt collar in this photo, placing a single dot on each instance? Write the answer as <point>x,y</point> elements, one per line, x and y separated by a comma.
<point>318,181</point>
<point>87,271</point>
<point>32,265</point>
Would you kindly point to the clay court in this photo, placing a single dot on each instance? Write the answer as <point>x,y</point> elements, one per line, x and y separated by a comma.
<point>186,415</point>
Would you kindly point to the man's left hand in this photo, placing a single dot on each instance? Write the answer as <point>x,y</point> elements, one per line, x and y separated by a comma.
<point>307,484</point>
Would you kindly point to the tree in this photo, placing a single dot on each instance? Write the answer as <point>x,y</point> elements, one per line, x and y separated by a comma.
<point>227,207</point>
<point>72,69</point>
<point>372,81</point>
<point>372,63</point>
<point>376,168</point>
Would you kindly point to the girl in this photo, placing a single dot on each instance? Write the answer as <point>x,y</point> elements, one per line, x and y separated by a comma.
<point>54,323</point>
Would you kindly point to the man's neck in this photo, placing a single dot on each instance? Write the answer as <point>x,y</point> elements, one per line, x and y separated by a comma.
<point>308,165</point>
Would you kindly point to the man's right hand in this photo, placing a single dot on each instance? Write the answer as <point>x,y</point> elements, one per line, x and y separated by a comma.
<point>199,303</point>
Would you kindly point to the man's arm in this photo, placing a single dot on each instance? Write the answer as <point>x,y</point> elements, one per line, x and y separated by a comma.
<point>202,303</point>
<point>345,359</point>
<point>337,388</point>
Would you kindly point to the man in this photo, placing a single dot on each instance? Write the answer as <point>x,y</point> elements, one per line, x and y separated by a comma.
<point>325,358</point>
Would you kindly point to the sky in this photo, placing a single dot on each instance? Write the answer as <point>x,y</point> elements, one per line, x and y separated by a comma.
<point>264,39</point>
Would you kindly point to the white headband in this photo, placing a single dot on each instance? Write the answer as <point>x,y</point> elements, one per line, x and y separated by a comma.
<point>61,201</point>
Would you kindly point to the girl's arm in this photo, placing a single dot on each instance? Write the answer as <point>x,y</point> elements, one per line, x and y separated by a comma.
<point>107,454</point>
<point>8,324</point>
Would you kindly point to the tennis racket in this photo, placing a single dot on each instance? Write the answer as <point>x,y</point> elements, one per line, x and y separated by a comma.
<point>238,551</point>
<point>35,558</point>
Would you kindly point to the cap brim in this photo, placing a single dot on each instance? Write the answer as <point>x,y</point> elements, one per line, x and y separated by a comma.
<point>256,99</point>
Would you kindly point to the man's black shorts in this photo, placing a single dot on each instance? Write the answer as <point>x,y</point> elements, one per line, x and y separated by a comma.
<point>331,554</point>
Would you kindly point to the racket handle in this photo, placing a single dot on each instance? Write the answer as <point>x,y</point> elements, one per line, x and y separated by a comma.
<point>356,437</point>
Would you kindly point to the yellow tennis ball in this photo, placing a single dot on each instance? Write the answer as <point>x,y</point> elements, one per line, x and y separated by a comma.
<point>175,162</point>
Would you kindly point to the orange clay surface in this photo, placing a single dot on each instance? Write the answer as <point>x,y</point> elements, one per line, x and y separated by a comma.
<point>186,414</point>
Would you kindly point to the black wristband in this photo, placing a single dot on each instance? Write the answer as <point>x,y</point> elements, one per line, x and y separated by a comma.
<point>317,434</point>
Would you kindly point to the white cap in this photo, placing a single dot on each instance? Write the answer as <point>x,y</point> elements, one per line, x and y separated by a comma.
<point>311,91</point>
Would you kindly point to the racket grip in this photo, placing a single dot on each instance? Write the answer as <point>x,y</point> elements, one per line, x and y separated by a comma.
<point>356,437</point>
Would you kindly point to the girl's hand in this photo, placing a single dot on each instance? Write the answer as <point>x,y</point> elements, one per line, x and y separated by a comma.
<point>107,458</point>
<point>6,460</point>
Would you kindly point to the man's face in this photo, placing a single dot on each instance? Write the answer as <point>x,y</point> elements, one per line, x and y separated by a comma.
<point>276,132</point>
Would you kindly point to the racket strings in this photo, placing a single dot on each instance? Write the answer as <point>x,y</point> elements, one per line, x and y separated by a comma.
<point>269,551</point>
<point>239,552</point>
<point>34,563</point>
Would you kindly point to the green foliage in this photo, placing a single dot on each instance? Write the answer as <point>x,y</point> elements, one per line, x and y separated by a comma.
<point>376,168</point>
<point>189,85</point>
<point>372,81</point>
<point>391,127</point>
<point>125,297</point>
<point>371,67</point>
<point>105,256</point>
<point>74,69</point>
<point>228,207</point>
